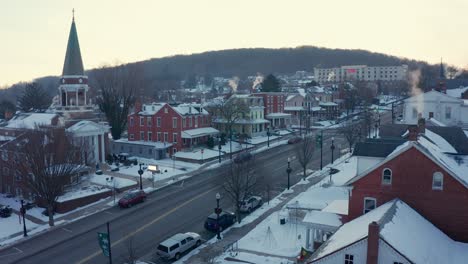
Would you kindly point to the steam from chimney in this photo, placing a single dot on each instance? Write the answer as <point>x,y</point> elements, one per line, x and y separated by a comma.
<point>414,77</point>
<point>233,83</point>
<point>258,80</point>
<point>331,75</point>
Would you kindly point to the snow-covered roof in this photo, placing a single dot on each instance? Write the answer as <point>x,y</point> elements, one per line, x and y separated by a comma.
<point>276,115</point>
<point>321,218</point>
<point>86,126</point>
<point>6,138</point>
<point>436,122</point>
<point>294,108</point>
<point>439,141</point>
<point>189,109</point>
<point>151,109</point>
<point>302,92</point>
<point>328,104</point>
<point>337,207</point>
<point>316,108</point>
<point>457,93</point>
<point>405,230</point>
<point>199,132</point>
<point>31,120</point>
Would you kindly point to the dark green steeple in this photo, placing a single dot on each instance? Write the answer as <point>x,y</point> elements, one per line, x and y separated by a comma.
<point>73,63</point>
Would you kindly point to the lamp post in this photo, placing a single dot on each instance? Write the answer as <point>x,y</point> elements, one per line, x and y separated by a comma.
<point>321,149</point>
<point>289,170</point>
<point>218,212</point>
<point>332,147</point>
<point>268,135</point>
<point>140,171</point>
<point>23,213</point>
<point>219,151</point>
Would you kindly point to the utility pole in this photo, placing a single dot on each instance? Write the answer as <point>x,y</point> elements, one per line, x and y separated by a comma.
<point>321,149</point>
<point>110,246</point>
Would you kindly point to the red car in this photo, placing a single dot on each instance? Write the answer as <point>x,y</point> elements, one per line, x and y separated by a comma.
<point>131,198</point>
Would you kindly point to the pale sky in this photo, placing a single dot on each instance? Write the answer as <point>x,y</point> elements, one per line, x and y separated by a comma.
<point>34,33</point>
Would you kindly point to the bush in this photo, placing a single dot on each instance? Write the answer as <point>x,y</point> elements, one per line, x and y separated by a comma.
<point>210,142</point>
<point>223,139</point>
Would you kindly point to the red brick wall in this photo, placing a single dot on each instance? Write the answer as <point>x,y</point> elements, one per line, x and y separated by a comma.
<point>166,126</point>
<point>63,207</point>
<point>275,104</point>
<point>412,182</point>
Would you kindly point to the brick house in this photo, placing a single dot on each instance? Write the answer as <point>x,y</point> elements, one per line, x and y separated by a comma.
<point>417,172</point>
<point>180,126</point>
<point>274,103</point>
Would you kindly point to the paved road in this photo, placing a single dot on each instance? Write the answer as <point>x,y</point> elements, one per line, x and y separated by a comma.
<point>178,208</point>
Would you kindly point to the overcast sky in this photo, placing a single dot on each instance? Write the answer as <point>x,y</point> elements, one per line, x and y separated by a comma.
<point>34,33</point>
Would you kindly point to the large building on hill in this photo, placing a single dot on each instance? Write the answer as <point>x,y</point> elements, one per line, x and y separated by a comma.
<point>361,73</point>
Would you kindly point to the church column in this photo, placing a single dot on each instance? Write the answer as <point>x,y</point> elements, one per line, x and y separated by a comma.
<point>66,98</point>
<point>76,97</point>
<point>103,148</point>
<point>85,103</point>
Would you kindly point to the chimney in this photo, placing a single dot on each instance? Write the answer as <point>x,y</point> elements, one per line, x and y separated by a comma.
<point>413,132</point>
<point>421,125</point>
<point>373,243</point>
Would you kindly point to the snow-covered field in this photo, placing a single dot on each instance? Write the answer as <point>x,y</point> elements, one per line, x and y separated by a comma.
<point>82,192</point>
<point>105,181</point>
<point>12,225</point>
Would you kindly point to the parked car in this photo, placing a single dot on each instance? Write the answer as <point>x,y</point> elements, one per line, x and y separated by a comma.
<point>5,211</point>
<point>243,157</point>
<point>176,245</point>
<point>294,140</point>
<point>131,198</point>
<point>250,203</point>
<point>226,219</point>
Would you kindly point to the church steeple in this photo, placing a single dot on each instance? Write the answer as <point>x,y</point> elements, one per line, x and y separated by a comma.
<point>73,64</point>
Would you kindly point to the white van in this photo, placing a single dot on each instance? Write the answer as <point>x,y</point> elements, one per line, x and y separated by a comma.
<point>174,246</point>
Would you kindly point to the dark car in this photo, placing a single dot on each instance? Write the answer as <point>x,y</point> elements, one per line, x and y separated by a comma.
<point>243,157</point>
<point>226,219</point>
<point>294,140</point>
<point>5,211</point>
<point>132,198</point>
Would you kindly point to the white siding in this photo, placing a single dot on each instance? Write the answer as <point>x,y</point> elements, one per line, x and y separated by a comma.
<point>358,250</point>
<point>388,255</point>
<point>365,163</point>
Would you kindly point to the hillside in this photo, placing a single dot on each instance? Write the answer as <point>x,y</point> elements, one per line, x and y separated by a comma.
<point>168,71</point>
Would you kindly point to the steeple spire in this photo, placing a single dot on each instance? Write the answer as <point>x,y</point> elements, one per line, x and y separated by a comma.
<point>73,64</point>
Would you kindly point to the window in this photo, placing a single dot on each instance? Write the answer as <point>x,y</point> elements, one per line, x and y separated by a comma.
<point>18,176</point>
<point>132,122</point>
<point>369,204</point>
<point>150,151</point>
<point>437,181</point>
<point>174,247</point>
<point>431,114</point>
<point>165,110</point>
<point>159,136</point>
<point>142,121</point>
<point>183,121</point>
<point>158,122</point>
<point>142,135</point>
<point>349,259</point>
<point>140,150</point>
<point>166,137</point>
<point>131,136</point>
<point>386,176</point>
<point>448,112</point>
<point>4,155</point>
<point>190,121</point>
<point>196,121</point>
<point>149,121</point>
<point>415,113</point>
<point>189,238</point>
<point>150,136</point>
<point>174,137</point>
<point>174,150</point>
<point>183,242</point>
<point>174,122</point>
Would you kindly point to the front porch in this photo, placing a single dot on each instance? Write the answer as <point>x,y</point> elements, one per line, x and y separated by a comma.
<point>195,137</point>
<point>279,120</point>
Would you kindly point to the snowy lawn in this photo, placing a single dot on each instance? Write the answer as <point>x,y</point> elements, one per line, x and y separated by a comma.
<point>12,225</point>
<point>262,139</point>
<point>82,192</point>
<point>118,182</point>
<point>165,172</point>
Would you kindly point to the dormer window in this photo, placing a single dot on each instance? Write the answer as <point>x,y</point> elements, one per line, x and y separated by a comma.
<point>165,110</point>
<point>437,181</point>
<point>387,176</point>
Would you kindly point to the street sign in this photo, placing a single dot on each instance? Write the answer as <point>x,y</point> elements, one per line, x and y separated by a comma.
<point>103,239</point>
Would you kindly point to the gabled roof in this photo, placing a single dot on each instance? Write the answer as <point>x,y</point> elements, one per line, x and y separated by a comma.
<point>31,120</point>
<point>87,126</point>
<point>376,148</point>
<point>404,229</point>
<point>431,95</point>
<point>73,64</point>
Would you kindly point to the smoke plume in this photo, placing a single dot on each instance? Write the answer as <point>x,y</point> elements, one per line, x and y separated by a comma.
<point>233,83</point>
<point>258,80</point>
<point>414,77</point>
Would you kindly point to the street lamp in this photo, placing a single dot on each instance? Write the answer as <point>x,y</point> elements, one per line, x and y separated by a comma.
<point>289,170</point>
<point>268,135</point>
<point>140,171</point>
<point>23,213</point>
<point>332,147</point>
<point>219,150</point>
<point>111,179</point>
<point>218,212</point>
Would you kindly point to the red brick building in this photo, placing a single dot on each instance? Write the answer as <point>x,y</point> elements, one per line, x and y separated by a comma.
<point>183,126</point>
<point>432,183</point>
<point>274,109</point>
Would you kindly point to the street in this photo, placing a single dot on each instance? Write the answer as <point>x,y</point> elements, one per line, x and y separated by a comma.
<point>178,208</point>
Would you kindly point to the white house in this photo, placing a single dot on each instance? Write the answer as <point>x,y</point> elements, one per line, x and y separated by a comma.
<point>449,110</point>
<point>94,137</point>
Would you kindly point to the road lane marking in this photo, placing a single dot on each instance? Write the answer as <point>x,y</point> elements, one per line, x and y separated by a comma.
<point>68,230</point>
<point>88,258</point>
<point>18,251</point>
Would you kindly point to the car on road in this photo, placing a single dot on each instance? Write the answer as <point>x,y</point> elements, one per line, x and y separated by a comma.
<point>243,157</point>
<point>294,140</point>
<point>5,211</point>
<point>250,203</point>
<point>176,245</point>
<point>226,219</point>
<point>131,198</point>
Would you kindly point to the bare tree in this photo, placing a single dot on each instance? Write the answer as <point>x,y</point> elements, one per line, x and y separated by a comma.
<point>49,161</point>
<point>240,181</point>
<point>263,183</point>
<point>130,257</point>
<point>305,151</point>
<point>229,112</point>
<point>117,87</point>
<point>351,132</point>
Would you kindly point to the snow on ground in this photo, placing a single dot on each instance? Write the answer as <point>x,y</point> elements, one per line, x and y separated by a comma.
<point>347,170</point>
<point>250,258</point>
<point>36,230</point>
<point>12,225</point>
<point>196,154</point>
<point>262,139</point>
<point>165,172</point>
<point>117,182</point>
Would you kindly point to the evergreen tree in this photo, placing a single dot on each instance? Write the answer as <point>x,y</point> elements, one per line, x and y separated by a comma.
<point>6,106</point>
<point>34,98</point>
<point>271,84</point>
